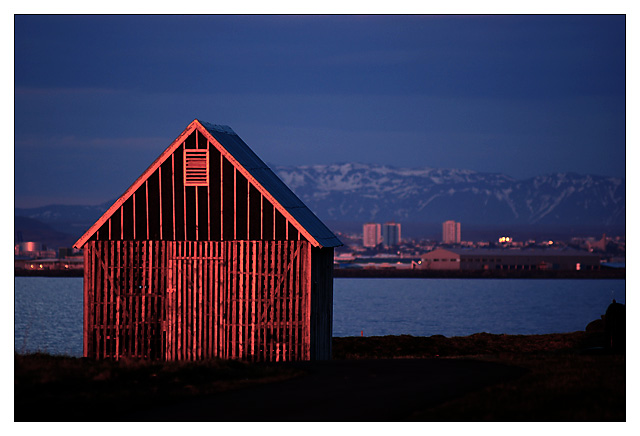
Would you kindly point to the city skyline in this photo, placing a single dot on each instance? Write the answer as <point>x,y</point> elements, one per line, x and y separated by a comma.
<point>521,95</point>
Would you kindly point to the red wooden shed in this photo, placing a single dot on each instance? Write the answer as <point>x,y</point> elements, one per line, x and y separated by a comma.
<point>208,254</point>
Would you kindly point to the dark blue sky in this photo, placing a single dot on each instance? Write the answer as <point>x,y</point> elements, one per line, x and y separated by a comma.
<point>98,98</point>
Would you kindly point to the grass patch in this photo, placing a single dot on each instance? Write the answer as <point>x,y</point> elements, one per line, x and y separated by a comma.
<point>79,389</point>
<point>558,387</point>
<point>569,378</point>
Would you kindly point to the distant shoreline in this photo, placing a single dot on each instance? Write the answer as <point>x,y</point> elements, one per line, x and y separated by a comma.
<point>605,273</point>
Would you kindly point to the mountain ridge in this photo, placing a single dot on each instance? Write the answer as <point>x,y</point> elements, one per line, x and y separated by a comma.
<point>364,192</point>
<point>358,193</point>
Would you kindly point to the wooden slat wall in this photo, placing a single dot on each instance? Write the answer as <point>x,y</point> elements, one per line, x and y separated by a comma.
<point>190,300</point>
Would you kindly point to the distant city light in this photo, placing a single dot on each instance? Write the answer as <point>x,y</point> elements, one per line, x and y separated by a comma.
<point>504,239</point>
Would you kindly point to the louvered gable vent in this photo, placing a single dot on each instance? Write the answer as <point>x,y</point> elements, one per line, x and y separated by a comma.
<point>196,168</point>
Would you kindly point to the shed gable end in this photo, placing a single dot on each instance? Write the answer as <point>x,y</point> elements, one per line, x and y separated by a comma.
<point>195,194</point>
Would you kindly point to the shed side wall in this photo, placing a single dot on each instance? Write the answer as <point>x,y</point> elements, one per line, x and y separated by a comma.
<point>321,303</point>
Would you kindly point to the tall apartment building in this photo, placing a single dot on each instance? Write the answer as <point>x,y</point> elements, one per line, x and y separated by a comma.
<point>391,234</point>
<point>451,232</point>
<point>371,235</point>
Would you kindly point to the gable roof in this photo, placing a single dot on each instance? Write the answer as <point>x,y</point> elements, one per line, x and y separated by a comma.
<point>234,149</point>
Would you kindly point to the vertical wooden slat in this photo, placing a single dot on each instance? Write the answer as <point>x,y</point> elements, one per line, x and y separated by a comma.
<point>209,229</point>
<point>160,293</point>
<point>167,339</point>
<point>144,299</point>
<point>146,199</point>
<point>188,302</point>
<point>262,339</point>
<point>179,308</point>
<point>173,193</point>
<point>133,221</point>
<point>136,297</point>
<point>122,222</point>
<point>118,291</point>
<point>234,296</point>
<point>221,198</point>
<point>195,188</point>
<point>107,298</point>
<point>245,299</point>
<point>298,301</point>
<point>192,301</point>
<point>184,196</point>
<point>124,291</point>
<point>112,300</point>
<point>206,300</point>
<point>125,297</point>
<point>212,298</point>
<point>96,300</point>
<point>104,298</point>
<point>172,304</point>
<point>201,263</point>
<point>272,303</point>
<point>194,298</point>
<point>214,286</point>
<point>149,302</point>
<point>202,296</point>
<point>254,279</point>
<point>290,299</point>
<point>228,304</point>
<point>223,301</point>
<point>183,300</point>
<point>132,297</point>
<point>276,299</point>
<point>160,199</point>
<point>154,315</point>
<point>235,211</point>
<point>307,292</point>
<point>87,296</point>
<point>241,302</point>
<point>263,297</point>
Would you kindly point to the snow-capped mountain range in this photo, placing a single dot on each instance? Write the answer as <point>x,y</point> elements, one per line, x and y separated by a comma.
<point>357,193</point>
<point>363,192</point>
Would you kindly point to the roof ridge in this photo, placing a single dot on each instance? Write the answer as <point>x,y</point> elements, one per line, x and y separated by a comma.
<point>222,128</point>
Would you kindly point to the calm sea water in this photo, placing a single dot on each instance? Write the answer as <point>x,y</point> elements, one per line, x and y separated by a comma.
<point>48,311</point>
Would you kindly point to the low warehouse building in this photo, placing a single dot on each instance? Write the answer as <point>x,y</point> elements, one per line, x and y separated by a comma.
<point>500,259</point>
